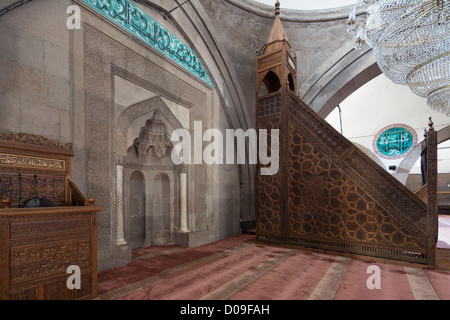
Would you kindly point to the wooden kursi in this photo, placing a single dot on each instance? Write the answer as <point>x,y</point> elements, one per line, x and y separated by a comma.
<point>39,244</point>
<point>328,194</point>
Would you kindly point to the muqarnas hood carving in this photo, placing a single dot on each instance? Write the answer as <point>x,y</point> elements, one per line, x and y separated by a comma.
<point>153,135</point>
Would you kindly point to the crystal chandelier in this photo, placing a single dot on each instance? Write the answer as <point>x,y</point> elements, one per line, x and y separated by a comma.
<point>410,40</point>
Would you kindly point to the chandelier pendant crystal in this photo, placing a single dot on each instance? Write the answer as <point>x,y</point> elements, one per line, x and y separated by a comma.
<point>410,40</point>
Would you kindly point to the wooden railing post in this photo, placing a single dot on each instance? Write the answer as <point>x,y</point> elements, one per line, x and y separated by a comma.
<point>6,202</point>
<point>432,182</point>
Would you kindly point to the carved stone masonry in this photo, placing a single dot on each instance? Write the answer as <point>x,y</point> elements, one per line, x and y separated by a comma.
<point>153,135</point>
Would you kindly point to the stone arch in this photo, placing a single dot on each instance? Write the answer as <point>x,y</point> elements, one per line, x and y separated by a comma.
<point>344,73</point>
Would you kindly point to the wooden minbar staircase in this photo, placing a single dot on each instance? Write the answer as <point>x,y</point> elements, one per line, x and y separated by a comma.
<point>328,194</point>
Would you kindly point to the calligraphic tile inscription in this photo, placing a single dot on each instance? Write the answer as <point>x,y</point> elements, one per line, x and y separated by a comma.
<point>395,141</point>
<point>129,17</point>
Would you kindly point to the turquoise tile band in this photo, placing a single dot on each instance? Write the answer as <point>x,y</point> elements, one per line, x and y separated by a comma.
<point>132,19</point>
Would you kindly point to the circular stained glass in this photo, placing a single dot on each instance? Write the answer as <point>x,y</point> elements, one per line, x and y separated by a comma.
<point>395,141</point>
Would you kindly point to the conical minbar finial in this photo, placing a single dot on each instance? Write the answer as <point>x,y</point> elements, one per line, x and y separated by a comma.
<point>277,8</point>
<point>430,124</point>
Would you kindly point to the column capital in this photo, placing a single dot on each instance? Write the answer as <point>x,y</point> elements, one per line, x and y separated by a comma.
<point>182,168</point>
<point>118,159</point>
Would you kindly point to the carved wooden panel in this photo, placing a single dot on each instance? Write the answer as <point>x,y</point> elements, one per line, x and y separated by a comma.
<point>86,287</point>
<point>27,294</point>
<point>52,187</point>
<point>55,290</point>
<point>327,204</point>
<point>39,260</point>
<point>268,190</point>
<point>39,244</point>
<point>36,228</point>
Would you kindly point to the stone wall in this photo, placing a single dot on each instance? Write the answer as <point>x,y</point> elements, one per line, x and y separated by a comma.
<point>83,86</point>
<point>34,63</point>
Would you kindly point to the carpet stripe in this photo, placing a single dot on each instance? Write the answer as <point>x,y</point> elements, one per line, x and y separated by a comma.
<point>196,283</point>
<point>420,285</point>
<point>293,279</point>
<point>327,287</point>
<point>114,294</point>
<point>248,277</point>
<point>202,261</point>
<point>147,282</point>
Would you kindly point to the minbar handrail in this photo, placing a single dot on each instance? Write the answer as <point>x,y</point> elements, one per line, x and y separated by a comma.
<point>76,198</point>
<point>422,193</point>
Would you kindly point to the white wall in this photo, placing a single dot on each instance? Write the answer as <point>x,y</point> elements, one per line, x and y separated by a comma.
<point>380,103</point>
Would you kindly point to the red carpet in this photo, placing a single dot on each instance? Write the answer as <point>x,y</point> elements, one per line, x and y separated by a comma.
<point>198,282</point>
<point>239,269</point>
<point>293,279</point>
<point>440,280</point>
<point>394,283</point>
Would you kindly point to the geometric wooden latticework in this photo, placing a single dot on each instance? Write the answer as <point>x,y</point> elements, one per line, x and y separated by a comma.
<point>328,194</point>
